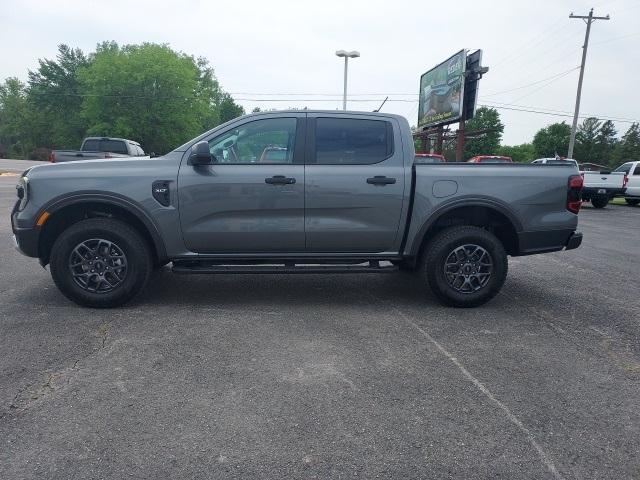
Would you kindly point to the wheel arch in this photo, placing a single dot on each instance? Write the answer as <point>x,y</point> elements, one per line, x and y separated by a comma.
<point>491,215</point>
<point>65,211</point>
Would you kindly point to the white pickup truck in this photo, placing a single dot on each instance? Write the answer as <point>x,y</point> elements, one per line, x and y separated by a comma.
<point>600,187</point>
<point>98,148</point>
<point>632,170</point>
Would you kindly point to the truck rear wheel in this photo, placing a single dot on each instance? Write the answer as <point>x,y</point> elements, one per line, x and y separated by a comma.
<point>632,201</point>
<point>100,263</point>
<point>464,266</point>
<point>599,201</point>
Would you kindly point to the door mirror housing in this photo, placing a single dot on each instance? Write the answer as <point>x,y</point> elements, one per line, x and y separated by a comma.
<point>200,154</point>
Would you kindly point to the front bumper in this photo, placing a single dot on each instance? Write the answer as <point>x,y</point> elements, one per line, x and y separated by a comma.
<point>25,240</point>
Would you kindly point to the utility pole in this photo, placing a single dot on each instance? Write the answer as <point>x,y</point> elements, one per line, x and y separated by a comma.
<point>588,19</point>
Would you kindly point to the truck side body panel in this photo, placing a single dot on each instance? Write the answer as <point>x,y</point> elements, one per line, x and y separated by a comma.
<point>531,197</point>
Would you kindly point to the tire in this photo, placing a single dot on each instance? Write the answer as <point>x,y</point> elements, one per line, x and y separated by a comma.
<point>599,201</point>
<point>473,290</point>
<point>116,275</point>
<point>632,201</point>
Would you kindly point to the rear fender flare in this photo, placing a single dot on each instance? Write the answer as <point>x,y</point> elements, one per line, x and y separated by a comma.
<point>463,202</point>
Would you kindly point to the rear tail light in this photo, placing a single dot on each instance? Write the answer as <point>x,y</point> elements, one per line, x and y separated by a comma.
<point>52,157</point>
<point>624,182</point>
<point>574,186</point>
<point>106,155</point>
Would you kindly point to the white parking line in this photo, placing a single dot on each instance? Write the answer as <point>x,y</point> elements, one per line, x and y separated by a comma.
<point>487,393</point>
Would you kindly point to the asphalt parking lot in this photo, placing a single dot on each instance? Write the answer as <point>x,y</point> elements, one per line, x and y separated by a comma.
<point>330,376</point>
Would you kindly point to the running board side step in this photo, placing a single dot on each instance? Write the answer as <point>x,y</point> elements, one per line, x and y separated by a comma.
<point>191,266</point>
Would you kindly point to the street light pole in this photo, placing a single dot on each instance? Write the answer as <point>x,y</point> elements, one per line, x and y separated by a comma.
<point>347,56</point>
<point>588,19</point>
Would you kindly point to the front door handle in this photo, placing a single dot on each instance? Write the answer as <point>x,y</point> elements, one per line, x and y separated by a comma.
<point>381,180</point>
<point>280,180</point>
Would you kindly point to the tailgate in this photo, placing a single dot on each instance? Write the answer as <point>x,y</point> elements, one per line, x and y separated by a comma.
<point>603,180</point>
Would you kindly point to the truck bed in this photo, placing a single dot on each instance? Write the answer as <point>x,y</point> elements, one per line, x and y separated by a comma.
<point>532,197</point>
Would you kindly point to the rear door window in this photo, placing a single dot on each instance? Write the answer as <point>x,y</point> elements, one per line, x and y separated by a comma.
<point>347,141</point>
<point>113,146</point>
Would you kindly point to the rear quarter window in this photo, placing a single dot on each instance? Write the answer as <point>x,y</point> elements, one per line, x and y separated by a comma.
<point>350,141</point>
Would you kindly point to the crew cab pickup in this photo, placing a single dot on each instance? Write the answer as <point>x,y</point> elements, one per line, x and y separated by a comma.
<point>93,148</point>
<point>600,187</point>
<point>342,195</point>
<point>632,170</point>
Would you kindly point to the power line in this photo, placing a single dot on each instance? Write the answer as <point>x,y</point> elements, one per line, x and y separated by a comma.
<point>546,34</point>
<point>612,39</point>
<point>545,85</point>
<point>531,84</point>
<point>554,114</point>
<point>585,115</point>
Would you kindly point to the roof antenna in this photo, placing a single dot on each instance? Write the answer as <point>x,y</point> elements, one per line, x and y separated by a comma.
<point>383,102</point>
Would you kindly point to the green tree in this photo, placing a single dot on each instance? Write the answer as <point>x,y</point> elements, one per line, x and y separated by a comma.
<point>628,149</point>
<point>606,142</point>
<point>552,140</point>
<point>523,153</point>
<point>152,94</point>
<point>55,98</point>
<point>586,147</point>
<point>229,109</point>
<point>14,119</point>
<point>489,142</point>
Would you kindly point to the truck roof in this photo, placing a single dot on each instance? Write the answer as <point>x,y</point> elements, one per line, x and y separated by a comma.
<point>112,138</point>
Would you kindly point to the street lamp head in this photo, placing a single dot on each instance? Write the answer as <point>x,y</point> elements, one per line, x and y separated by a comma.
<point>344,53</point>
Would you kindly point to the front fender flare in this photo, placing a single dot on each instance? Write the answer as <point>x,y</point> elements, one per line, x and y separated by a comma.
<point>127,204</point>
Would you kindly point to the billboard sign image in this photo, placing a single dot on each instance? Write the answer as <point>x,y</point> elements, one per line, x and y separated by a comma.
<point>442,92</point>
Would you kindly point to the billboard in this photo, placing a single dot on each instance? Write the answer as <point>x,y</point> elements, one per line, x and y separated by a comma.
<point>471,83</point>
<point>442,92</point>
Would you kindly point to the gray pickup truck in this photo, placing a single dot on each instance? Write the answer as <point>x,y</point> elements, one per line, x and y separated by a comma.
<point>292,192</point>
<point>94,148</point>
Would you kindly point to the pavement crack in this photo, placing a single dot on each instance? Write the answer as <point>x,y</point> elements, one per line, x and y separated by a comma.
<point>27,396</point>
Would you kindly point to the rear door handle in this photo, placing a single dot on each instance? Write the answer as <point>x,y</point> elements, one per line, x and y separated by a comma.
<point>280,180</point>
<point>381,180</point>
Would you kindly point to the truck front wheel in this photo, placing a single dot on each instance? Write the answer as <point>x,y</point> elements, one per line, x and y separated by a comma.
<point>100,263</point>
<point>464,266</point>
<point>599,201</point>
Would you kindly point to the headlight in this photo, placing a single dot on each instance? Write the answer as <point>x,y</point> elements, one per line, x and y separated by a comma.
<point>22,190</point>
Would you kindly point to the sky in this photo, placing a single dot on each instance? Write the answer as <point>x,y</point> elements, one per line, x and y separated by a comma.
<point>281,53</point>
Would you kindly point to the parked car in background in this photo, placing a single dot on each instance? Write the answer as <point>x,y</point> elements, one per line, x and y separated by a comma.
<point>490,159</point>
<point>600,187</point>
<point>93,148</point>
<point>555,161</point>
<point>346,197</point>
<point>632,170</point>
<point>429,158</point>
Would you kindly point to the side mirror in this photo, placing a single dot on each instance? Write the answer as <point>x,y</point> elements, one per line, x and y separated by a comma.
<point>200,154</point>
